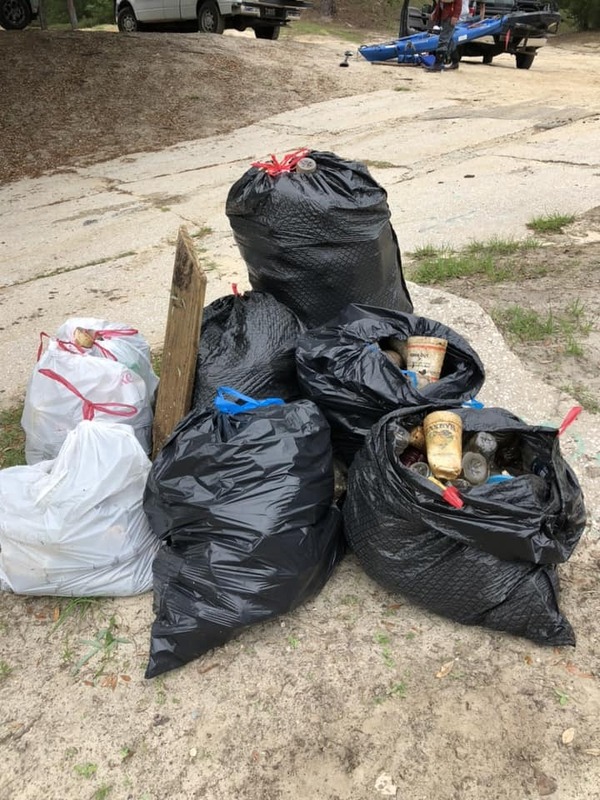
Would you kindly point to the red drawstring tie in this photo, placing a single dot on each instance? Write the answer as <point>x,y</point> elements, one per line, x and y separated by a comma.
<point>72,347</point>
<point>90,408</point>
<point>287,163</point>
<point>570,417</point>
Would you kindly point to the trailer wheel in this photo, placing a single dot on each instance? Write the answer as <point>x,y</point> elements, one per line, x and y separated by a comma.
<point>209,18</point>
<point>524,60</point>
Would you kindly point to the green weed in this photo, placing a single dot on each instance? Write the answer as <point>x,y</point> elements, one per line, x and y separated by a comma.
<point>205,230</point>
<point>103,644</point>
<point>582,394</point>
<point>126,753</point>
<point>562,697</point>
<point>75,606</point>
<point>382,638</point>
<point>12,438</point>
<point>525,324</point>
<point>293,641</point>
<point>489,259</point>
<point>102,792</point>
<point>501,247</point>
<point>384,641</point>
<point>551,223</point>
<point>350,600</point>
<point>397,690</point>
<point>161,692</point>
<point>566,327</point>
<point>86,770</point>
<point>5,670</point>
<point>426,251</point>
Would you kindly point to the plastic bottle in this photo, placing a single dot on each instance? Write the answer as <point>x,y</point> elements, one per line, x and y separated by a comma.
<point>475,468</point>
<point>421,468</point>
<point>400,441</point>
<point>484,443</point>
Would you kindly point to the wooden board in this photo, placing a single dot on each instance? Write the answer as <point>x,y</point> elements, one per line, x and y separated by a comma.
<point>182,337</point>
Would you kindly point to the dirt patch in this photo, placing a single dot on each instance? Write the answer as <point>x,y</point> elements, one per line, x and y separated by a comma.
<point>78,98</point>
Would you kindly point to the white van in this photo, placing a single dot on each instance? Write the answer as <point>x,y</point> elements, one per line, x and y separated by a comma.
<point>265,17</point>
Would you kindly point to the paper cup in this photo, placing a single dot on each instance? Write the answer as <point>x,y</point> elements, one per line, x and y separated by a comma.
<point>443,438</point>
<point>425,356</point>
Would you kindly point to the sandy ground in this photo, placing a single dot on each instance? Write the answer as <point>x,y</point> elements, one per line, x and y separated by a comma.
<point>358,694</point>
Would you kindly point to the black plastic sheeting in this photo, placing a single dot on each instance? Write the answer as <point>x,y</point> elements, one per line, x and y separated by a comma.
<point>247,341</point>
<point>341,367</point>
<point>318,241</point>
<point>243,504</point>
<point>489,563</point>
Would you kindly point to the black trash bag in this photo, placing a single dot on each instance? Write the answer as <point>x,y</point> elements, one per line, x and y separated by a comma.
<point>244,505</point>
<point>318,241</point>
<point>247,341</point>
<point>488,563</point>
<point>342,368</point>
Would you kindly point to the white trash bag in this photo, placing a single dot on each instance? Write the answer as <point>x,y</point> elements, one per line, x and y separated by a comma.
<point>75,526</point>
<point>113,340</point>
<point>65,388</point>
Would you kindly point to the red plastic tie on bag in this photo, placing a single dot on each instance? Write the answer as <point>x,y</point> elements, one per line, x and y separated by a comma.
<point>111,334</point>
<point>41,345</point>
<point>90,408</point>
<point>451,496</point>
<point>570,417</point>
<point>287,163</point>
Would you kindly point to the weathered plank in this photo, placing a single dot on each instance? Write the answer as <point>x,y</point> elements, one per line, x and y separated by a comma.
<point>182,335</point>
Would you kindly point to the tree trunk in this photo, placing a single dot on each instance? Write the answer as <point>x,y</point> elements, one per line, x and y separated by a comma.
<point>42,15</point>
<point>328,8</point>
<point>72,14</point>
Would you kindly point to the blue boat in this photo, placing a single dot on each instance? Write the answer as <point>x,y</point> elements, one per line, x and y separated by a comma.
<point>417,49</point>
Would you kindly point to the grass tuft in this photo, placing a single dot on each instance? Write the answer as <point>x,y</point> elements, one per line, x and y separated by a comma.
<point>565,328</point>
<point>551,223</point>
<point>12,438</point>
<point>583,396</point>
<point>489,259</point>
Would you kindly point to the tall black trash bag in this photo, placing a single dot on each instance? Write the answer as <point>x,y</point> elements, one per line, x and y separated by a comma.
<point>247,341</point>
<point>488,563</point>
<point>343,369</point>
<point>244,505</point>
<point>320,240</point>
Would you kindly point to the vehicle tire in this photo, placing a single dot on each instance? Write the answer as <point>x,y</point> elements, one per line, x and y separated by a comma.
<point>524,60</point>
<point>127,21</point>
<point>15,14</point>
<point>488,58</point>
<point>209,18</point>
<point>267,31</point>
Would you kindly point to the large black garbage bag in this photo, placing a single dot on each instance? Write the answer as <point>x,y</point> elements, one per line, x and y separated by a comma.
<point>247,341</point>
<point>244,505</point>
<point>488,563</point>
<point>318,241</point>
<point>343,369</point>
